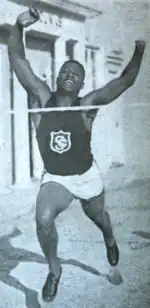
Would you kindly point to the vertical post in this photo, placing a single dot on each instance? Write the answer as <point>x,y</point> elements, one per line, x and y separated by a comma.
<point>79,55</point>
<point>21,132</point>
<point>40,68</point>
<point>5,125</point>
<point>59,54</point>
<point>89,71</point>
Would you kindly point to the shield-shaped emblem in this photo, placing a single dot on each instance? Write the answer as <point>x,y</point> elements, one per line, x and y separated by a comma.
<point>60,141</point>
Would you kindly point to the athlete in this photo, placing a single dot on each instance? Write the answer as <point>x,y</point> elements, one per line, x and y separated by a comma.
<point>70,170</point>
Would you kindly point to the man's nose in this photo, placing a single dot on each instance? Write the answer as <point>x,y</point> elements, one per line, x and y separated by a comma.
<point>70,74</point>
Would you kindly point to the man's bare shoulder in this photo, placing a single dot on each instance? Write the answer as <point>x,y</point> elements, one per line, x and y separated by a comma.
<point>91,99</point>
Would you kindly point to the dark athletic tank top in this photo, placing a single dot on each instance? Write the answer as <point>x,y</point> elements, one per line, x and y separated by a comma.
<point>64,141</point>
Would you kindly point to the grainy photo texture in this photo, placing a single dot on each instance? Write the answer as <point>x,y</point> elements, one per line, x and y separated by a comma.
<point>74,154</point>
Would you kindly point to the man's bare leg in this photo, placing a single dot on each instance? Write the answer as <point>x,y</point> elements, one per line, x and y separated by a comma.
<point>94,209</point>
<point>52,199</point>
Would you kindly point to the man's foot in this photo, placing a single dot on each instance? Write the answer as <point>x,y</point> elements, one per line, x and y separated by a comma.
<point>113,254</point>
<point>50,287</point>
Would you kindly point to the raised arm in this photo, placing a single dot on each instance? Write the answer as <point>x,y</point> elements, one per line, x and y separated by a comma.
<point>31,83</point>
<point>117,86</point>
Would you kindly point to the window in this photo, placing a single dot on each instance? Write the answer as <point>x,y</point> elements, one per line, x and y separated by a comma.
<point>70,50</point>
<point>93,63</point>
<point>114,62</point>
<point>90,59</point>
<point>86,55</point>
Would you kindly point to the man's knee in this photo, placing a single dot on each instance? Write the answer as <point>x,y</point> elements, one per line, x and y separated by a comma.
<point>45,217</point>
<point>52,199</point>
<point>45,211</point>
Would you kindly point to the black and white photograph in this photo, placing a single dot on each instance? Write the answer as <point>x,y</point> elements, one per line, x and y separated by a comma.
<point>74,153</point>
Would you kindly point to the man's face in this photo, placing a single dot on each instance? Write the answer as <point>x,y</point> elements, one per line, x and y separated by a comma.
<point>70,78</point>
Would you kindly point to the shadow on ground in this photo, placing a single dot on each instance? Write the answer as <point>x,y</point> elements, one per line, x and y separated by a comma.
<point>10,257</point>
<point>143,234</point>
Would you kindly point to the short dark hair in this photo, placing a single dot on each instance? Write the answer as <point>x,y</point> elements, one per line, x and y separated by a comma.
<point>76,62</point>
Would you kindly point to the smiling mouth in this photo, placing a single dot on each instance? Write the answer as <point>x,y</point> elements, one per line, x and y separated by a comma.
<point>69,81</point>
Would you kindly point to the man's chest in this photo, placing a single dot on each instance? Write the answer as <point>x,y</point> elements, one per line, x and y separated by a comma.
<point>65,132</point>
<point>88,117</point>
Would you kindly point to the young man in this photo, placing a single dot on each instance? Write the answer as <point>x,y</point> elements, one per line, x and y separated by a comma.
<point>64,143</point>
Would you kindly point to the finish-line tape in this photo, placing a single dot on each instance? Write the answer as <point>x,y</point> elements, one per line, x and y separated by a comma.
<point>41,110</point>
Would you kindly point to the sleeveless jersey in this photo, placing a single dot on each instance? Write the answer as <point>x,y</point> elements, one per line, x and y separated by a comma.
<point>64,142</point>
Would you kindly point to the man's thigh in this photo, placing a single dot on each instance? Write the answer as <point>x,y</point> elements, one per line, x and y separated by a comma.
<point>52,199</point>
<point>95,206</point>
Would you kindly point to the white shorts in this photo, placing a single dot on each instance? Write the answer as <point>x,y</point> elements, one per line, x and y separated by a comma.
<point>85,186</point>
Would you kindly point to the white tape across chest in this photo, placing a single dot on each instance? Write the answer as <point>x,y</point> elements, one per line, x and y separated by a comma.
<point>60,141</point>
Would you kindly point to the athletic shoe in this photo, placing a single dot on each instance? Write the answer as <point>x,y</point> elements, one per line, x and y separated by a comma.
<point>50,287</point>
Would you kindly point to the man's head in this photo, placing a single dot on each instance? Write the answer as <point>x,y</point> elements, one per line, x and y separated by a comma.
<point>71,77</point>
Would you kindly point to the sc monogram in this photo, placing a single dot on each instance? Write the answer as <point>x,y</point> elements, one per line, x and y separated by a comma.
<point>60,141</point>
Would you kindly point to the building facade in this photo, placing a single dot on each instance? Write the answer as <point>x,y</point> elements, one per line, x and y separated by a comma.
<point>58,36</point>
<point>126,22</point>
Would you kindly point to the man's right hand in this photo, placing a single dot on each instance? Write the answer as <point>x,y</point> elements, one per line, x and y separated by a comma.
<point>28,18</point>
<point>140,44</point>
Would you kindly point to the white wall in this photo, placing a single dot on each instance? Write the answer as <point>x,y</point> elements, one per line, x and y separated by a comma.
<point>105,31</point>
<point>136,100</point>
<point>123,133</point>
<point>49,26</point>
<point>118,27</point>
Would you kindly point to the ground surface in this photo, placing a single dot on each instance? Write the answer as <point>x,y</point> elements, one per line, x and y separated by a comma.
<point>85,281</point>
